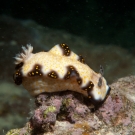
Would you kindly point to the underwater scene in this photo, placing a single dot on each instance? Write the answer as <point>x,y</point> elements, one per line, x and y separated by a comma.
<point>67,67</point>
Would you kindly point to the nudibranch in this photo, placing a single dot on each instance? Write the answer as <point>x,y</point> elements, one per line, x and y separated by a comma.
<point>57,70</point>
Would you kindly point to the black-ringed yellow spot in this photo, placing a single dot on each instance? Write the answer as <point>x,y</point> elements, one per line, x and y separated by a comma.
<point>72,72</point>
<point>79,82</point>
<point>88,88</point>
<point>65,48</point>
<point>17,77</point>
<point>36,71</point>
<point>53,74</point>
<point>81,59</point>
<point>62,45</point>
<point>69,72</point>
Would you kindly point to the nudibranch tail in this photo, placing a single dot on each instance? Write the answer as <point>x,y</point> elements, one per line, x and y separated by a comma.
<point>21,57</point>
<point>59,69</point>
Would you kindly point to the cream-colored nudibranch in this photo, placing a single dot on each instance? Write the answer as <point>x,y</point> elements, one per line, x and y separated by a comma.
<point>59,69</point>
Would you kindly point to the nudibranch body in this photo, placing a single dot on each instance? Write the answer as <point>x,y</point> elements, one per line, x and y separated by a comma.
<point>59,69</point>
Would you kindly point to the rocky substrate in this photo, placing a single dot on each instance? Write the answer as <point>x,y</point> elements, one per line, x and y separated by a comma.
<point>71,113</point>
<point>15,101</point>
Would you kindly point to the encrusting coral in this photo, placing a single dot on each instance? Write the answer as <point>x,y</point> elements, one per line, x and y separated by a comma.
<point>110,109</point>
<point>70,113</point>
<point>61,106</point>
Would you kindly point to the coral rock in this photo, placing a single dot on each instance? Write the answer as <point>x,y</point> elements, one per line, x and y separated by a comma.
<point>70,113</point>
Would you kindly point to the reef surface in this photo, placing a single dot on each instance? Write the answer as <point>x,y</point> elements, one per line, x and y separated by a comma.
<point>71,113</point>
<point>14,112</point>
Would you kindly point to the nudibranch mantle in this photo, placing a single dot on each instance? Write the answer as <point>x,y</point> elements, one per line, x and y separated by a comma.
<point>59,69</point>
